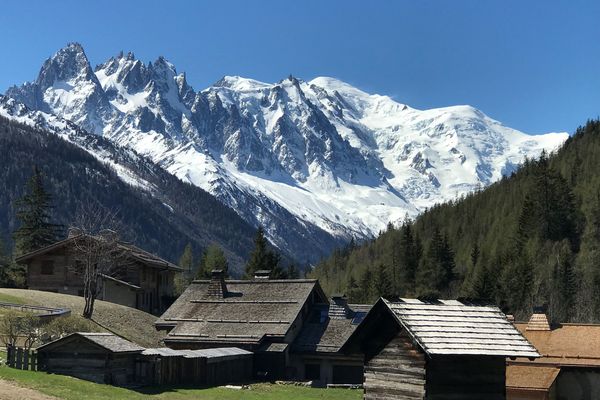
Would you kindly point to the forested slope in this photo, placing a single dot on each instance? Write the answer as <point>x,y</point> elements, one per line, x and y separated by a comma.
<point>530,239</point>
<point>163,222</point>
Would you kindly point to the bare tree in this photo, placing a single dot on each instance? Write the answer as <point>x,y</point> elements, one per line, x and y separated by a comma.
<point>97,251</point>
<point>10,327</point>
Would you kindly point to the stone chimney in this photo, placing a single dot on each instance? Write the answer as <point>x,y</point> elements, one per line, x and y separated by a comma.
<point>262,274</point>
<point>538,320</point>
<point>72,232</point>
<point>338,307</point>
<point>217,287</point>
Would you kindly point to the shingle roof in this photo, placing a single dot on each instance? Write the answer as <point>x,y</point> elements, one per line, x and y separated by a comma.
<point>453,327</point>
<point>223,352</point>
<point>330,335</point>
<point>530,377</point>
<point>108,341</point>
<point>566,344</point>
<point>251,310</point>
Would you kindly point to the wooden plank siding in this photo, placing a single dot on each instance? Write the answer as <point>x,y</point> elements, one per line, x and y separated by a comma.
<point>397,371</point>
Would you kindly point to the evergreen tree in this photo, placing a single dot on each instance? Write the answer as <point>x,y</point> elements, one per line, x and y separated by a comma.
<point>436,269</point>
<point>263,258</point>
<point>383,285</point>
<point>366,287</point>
<point>186,262</point>
<point>34,208</point>
<point>213,258</point>
<point>353,291</point>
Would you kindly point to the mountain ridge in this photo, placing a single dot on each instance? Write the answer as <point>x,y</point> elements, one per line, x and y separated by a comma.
<point>330,160</point>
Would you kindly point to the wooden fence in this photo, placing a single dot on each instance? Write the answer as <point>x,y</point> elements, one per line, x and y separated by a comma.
<point>21,358</point>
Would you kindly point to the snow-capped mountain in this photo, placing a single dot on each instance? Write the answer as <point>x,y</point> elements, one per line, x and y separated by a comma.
<point>304,159</point>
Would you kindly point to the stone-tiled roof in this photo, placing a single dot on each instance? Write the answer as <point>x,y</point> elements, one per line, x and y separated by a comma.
<point>250,311</point>
<point>457,328</point>
<point>328,335</point>
<point>108,341</point>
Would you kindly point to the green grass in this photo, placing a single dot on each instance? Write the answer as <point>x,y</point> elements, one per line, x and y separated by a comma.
<point>69,388</point>
<point>7,298</point>
<point>130,323</point>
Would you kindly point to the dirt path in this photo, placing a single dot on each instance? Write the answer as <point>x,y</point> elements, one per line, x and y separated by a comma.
<point>10,391</point>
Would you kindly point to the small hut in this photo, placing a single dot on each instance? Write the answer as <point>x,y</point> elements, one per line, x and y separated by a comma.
<point>440,349</point>
<point>209,367</point>
<point>97,357</point>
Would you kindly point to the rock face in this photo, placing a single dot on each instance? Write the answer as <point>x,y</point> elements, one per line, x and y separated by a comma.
<point>317,161</point>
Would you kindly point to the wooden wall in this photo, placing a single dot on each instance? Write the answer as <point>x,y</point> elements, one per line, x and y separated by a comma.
<point>466,378</point>
<point>396,372</point>
<point>83,360</point>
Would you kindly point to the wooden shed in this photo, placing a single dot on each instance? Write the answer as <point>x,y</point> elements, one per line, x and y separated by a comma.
<point>97,357</point>
<point>209,367</point>
<point>439,349</point>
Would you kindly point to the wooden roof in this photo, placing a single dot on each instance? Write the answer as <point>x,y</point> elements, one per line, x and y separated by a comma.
<point>223,352</point>
<point>565,345</point>
<point>452,327</point>
<point>250,311</point>
<point>330,335</point>
<point>108,341</point>
<point>537,378</point>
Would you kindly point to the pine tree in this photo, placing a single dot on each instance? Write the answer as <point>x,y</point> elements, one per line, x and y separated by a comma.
<point>366,287</point>
<point>186,262</point>
<point>213,258</point>
<point>263,258</point>
<point>383,285</point>
<point>436,268</point>
<point>36,228</point>
<point>353,291</point>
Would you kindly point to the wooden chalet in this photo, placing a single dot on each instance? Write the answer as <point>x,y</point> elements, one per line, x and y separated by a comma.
<point>294,331</point>
<point>97,357</point>
<point>144,281</point>
<point>442,349</point>
<point>569,368</point>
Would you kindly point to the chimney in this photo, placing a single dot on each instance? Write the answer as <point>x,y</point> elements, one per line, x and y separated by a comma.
<point>74,232</point>
<point>217,287</point>
<point>338,307</point>
<point>538,320</point>
<point>262,274</point>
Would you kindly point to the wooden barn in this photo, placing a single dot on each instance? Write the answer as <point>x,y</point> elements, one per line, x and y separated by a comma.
<point>262,315</point>
<point>209,367</point>
<point>144,281</point>
<point>569,368</point>
<point>97,357</point>
<point>441,349</point>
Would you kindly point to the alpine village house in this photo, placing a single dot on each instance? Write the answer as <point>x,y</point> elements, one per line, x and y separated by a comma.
<point>142,280</point>
<point>409,349</point>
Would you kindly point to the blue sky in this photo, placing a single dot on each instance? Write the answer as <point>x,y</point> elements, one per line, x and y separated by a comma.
<point>534,65</point>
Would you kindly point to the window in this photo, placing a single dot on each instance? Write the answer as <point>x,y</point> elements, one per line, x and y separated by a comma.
<point>47,267</point>
<point>312,372</point>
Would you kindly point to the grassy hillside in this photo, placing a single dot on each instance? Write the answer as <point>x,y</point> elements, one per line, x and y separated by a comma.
<point>69,388</point>
<point>532,238</point>
<point>130,323</point>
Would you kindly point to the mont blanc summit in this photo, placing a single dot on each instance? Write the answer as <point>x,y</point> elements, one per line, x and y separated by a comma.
<point>330,160</point>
